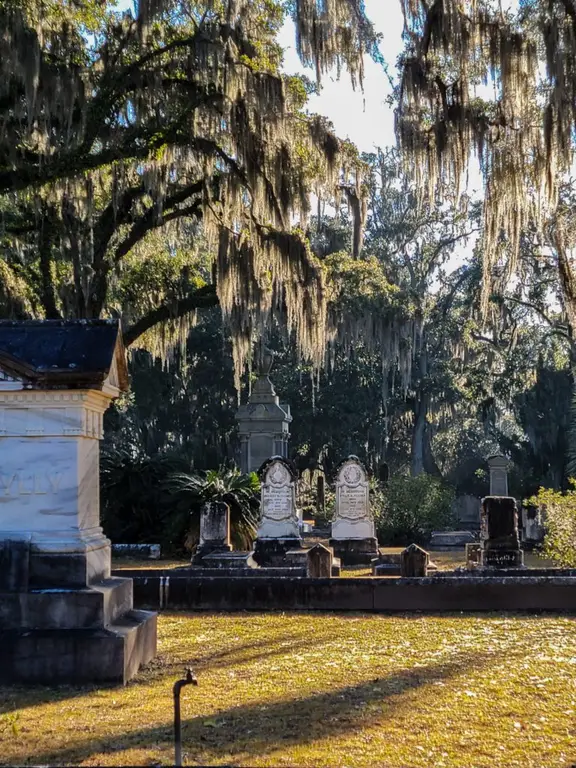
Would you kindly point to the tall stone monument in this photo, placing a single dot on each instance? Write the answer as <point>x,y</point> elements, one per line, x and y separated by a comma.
<point>63,619</point>
<point>353,534</point>
<point>498,466</point>
<point>263,423</point>
<point>279,529</point>
<point>499,538</point>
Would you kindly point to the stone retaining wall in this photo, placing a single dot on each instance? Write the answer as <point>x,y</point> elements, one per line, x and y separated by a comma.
<point>432,594</point>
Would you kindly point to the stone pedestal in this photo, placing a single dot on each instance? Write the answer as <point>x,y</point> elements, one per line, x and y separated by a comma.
<point>279,529</point>
<point>499,537</point>
<point>353,535</point>
<point>63,619</point>
<point>263,426</point>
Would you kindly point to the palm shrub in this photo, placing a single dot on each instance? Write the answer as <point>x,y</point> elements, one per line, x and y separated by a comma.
<point>408,509</point>
<point>240,492</point>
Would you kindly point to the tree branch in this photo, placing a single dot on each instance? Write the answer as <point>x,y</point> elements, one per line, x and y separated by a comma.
<point>140,228</point>
<point>533,307</point>
<point>201,299</point>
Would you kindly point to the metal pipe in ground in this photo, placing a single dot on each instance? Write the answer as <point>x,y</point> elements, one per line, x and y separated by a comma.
<point>190,679</point>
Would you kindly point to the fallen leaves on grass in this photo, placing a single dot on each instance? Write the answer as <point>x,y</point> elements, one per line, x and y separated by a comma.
<point>322,689</point>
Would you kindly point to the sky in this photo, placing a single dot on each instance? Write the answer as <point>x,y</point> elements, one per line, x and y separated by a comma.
<point>362,117</point>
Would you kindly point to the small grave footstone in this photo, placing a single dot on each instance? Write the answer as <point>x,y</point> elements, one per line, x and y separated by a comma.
<point>319,562</point>
<point>279,529</point>
<point>353,534</point>
<point>499,533</point>
<point>473,555</point>
<point>214,531</point>
<point>414,561</point>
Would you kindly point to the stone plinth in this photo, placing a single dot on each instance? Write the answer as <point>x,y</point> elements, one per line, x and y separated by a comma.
<point>214,531</point>
<point>62,618</point>
<point>353,535</point>
<point>414,561</point>
<point>386,565</point>
<point>499,533</point>
<point>445,541</point>
<point>263,426</point>
<point>142,551</point>
<point>279,529</point>
<point>227,561</point>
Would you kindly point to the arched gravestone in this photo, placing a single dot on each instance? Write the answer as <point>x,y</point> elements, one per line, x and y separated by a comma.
<point>63,618</point>
<point>353,534</point>
<point>279,529</point>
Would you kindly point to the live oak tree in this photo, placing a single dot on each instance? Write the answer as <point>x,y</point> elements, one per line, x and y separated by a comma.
<point>415,244</point>
<point>499,83</point>
<point>114,126</point>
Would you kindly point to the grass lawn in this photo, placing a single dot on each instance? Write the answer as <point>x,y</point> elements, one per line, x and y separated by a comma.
<point>322,689</point>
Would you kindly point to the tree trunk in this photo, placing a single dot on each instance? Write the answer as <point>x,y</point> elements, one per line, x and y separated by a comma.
<point>47,278</point>
<point>419,435</point>
<point>420,411</point>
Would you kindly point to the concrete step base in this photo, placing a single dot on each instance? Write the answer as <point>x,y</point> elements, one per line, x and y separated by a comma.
<point>77,656</point>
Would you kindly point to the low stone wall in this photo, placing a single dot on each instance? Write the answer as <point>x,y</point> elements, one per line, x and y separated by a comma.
<point>433,594</point>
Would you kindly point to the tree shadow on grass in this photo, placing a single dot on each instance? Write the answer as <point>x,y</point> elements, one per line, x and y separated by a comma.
<point>15,697</point>
<point>247,653</point>
<point>259,729</point>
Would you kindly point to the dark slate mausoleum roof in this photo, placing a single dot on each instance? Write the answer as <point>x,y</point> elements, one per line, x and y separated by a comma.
<point>63,353</point>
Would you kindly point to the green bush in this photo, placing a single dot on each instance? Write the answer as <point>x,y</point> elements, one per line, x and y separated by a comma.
<point>408,509</point>
<point>560,522</point>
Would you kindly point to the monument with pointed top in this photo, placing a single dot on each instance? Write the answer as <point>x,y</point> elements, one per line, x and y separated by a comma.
<point>263,423</point>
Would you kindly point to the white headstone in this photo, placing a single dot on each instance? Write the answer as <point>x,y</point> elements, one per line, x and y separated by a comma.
<point>278,503</point>
<point>352,519</point>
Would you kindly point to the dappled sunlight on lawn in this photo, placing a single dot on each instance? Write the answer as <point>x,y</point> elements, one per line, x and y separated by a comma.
<point>319,689</point>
